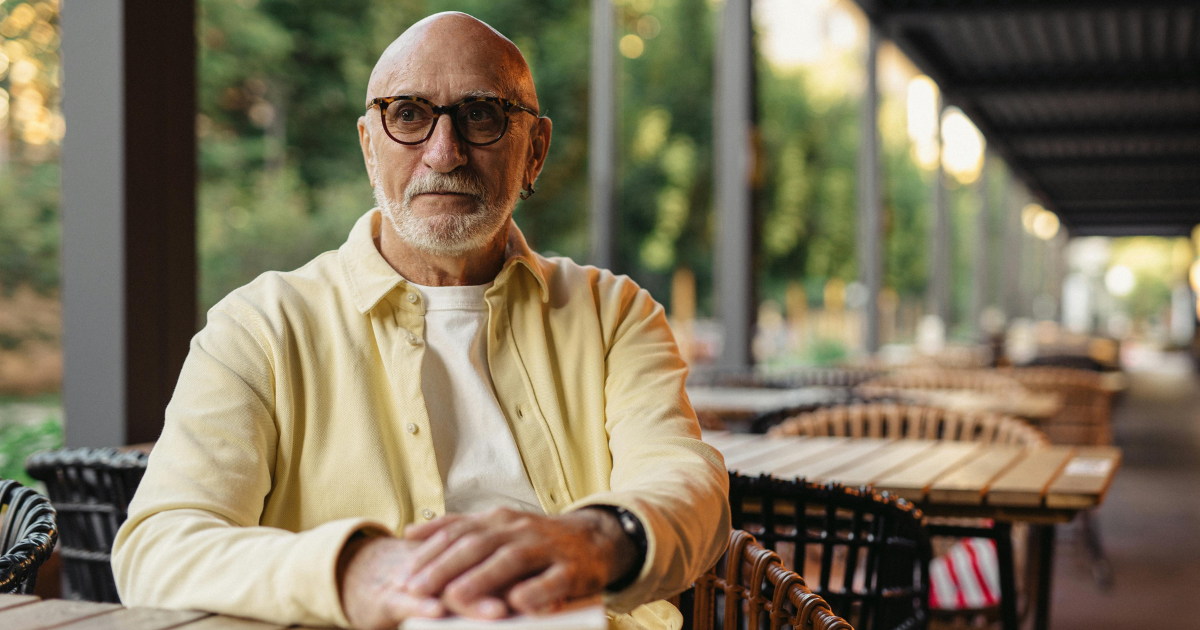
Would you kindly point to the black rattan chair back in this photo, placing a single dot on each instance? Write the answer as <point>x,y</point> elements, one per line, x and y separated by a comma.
<point>865,553</point>
<point>91,489</point>
<point>27,536</point>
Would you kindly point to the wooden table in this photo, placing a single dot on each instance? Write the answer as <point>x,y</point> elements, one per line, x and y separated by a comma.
<point>755,408</point>
<point>27,612</point>
<point>997,481</point>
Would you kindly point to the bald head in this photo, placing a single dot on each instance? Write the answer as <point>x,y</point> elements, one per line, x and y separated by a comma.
<point>452,48</point>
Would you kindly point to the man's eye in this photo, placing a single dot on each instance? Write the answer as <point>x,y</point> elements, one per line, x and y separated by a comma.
<point>479,114</point>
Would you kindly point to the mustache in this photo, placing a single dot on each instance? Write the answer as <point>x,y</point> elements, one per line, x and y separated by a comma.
<point>459,182</point>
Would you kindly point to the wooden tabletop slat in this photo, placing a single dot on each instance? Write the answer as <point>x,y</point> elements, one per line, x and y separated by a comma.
<point>747,449</point>
<point>768,450</point>
<point>893,456</point>
<point>51,613</point>
<point>1085,479</point>
<point>1026,483</point>
<point>221,622</point>
<point>967,484</point>
<point>725,439</point>
<point>8,600</point>
<point>910,482</point>
<point>789,453</point>
<point>138,618</point>
<point>837,456</point>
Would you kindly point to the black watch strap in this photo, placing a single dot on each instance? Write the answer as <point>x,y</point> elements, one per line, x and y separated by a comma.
<point>633,528</point>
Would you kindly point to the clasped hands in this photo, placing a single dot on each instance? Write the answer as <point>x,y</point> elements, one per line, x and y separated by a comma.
<point>485,566</point>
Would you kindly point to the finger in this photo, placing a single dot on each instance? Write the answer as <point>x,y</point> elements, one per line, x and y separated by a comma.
<point>506,567</point>
<point>548,590</point>
<point>401,606</point>
<point>481,608</point>
<point>458,558</point>
<point>437,544</point>
<point>421,531</point>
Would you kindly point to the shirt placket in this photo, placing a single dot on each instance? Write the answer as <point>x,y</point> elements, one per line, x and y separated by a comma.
<point>416,438</point>
<point>515,393</point>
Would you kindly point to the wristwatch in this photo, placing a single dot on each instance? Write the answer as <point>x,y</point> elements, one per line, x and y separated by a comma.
<point>633,528</point>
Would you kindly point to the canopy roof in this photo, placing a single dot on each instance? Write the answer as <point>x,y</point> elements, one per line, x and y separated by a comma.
<point>1095,104</point>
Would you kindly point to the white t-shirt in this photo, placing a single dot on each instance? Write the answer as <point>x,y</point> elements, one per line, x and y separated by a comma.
<point>476,454</point>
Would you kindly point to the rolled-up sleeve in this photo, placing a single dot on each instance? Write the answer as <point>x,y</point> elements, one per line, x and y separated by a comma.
<point>193,539</point>
<point>661,470</point>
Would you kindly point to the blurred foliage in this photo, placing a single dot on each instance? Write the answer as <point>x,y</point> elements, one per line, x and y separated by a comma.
<point>19,441</point>
<point>31,127</point>
<point>282,85</point>
<point>29,227</point>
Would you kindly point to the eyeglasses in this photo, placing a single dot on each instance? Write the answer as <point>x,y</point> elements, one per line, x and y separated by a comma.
<point>479,120</point>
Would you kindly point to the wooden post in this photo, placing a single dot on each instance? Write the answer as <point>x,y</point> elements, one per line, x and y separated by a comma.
<point>938,291</point>
<point>602,135</point>
<point>733,122</point>
<point>129,213</point>
<point>870,201</point>
<point>980,283</point>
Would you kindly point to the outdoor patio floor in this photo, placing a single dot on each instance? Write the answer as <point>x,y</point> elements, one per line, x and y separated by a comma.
<point>1150,522</point>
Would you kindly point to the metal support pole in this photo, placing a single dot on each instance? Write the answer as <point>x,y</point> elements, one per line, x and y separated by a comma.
<point>870,201</point>
<point>128,214</point>
<point>939,263</point>
<point>1013,241</point>
<point>602,135</point>
<point>734,167</point>
<point>979,286</point>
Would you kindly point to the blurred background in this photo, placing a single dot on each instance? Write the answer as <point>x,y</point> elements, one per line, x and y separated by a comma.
<point>281,84</point>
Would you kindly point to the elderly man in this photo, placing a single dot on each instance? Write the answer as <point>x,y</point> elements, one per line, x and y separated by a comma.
<point>521,420</point>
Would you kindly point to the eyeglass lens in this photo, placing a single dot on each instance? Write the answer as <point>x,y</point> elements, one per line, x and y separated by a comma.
<point>480,122</point>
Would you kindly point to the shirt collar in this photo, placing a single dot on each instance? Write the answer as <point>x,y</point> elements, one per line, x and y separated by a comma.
<point>370,277</point>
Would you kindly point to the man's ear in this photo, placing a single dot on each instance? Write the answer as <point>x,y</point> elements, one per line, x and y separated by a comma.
<point>368,151</point>
<point>539,148</point>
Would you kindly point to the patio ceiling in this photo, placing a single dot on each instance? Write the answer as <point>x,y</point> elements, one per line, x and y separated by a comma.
<point>1095,104</point>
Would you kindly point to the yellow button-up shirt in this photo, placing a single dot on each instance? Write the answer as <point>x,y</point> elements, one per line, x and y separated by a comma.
<point>298,419</point>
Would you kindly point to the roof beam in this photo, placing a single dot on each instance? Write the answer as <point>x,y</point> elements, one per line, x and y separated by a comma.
<point>1131,229</point>
<point>1182,166</point>
<point>1167,127</point>
<point>1117,79</point>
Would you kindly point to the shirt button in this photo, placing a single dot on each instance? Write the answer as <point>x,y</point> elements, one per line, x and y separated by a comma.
<point>414,340</point>
<point>412,298</point>
<point>411,427</point>
<point>520,412</point>
<point>427,513</point>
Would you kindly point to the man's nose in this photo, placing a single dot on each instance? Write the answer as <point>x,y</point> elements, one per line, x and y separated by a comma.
<point>445,150</point>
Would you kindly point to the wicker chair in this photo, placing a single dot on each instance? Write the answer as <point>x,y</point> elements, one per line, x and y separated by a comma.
<point>892,420</point>
<point>91,489</point>
<point>1085,417</point>
<point>27,536</point>
<point>865,553</point>
<point>884,420</point>
<point>750,588</point>
<point>941,378</point>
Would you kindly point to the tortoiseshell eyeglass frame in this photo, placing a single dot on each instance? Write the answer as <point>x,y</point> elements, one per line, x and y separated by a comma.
<point>506,105</point>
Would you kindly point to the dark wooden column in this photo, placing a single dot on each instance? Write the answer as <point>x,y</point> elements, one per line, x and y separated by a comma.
<point>129,213</point>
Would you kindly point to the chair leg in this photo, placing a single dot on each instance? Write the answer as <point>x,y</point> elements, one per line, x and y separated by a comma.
<point>1045,577</point>
<point>1008,589</point>
<point>1089,536</point>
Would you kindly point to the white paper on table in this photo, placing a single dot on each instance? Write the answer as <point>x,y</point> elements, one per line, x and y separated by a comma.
<point>588,616</point>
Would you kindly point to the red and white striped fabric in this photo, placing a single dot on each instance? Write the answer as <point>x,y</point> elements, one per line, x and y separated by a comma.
<point>965,578</point>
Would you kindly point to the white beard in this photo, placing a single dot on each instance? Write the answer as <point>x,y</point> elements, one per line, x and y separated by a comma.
<point>447,234</point>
